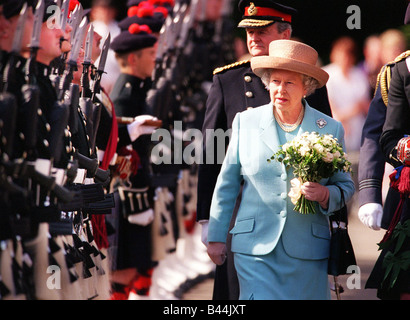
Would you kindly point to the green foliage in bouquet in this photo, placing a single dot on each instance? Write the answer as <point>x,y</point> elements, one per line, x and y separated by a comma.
<point>312,157</point>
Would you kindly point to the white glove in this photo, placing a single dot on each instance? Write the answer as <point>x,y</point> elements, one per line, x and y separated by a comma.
<point>204,231</point>
<point>370,214</point>
<point>137,128</point>
<point>143,218</point>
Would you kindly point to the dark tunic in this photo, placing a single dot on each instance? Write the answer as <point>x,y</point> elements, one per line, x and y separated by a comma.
<point>397,125</point>
<point>134,241</point>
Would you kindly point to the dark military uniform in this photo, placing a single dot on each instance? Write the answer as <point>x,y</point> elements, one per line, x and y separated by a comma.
<point>398,112</point>
<point>372,161</point>
<point>396,126</point>
<point>43,148</point>
<point>134,241</point>
<point>128,95</point>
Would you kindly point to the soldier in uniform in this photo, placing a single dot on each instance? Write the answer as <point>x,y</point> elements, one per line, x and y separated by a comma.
<point>41,204</point>
<point>396,129</point>
<point>10,98</point>
<point>373,213</point>
<point>48,156</point>
<point>235,88</point>
<point>131,244</point>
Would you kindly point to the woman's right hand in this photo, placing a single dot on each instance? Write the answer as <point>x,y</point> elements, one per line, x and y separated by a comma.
<point>314,191</point>
<point>217,252</point>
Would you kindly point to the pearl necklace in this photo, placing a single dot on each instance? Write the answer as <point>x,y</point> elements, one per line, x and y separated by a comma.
<point>289,128</point>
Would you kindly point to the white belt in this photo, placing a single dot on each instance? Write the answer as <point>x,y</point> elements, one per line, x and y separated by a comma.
<point>59,175</point>
<point>341,224</point>
<point>79,178</point>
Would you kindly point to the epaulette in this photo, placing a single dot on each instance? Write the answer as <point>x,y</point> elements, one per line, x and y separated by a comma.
<point>230,66</point>
<point>384,75</point>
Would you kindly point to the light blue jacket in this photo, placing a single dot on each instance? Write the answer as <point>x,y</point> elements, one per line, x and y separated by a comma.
<point>261,218</point>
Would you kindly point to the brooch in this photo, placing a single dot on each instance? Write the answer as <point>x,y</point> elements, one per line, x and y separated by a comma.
<point>321,123</point>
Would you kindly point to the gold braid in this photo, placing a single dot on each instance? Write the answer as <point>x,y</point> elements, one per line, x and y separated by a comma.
<point>384,77</point>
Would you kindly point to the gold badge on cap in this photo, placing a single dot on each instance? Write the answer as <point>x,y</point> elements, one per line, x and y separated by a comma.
<point>252,10</point>
<point>321,123</point>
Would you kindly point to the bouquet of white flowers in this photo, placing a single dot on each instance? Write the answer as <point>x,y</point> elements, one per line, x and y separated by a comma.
<point>313,157</point>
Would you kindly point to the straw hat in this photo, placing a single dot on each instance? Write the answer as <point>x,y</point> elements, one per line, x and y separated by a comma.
<point>292,56</point>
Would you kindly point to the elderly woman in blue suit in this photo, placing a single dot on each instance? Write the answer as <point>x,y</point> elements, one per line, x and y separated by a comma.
<point>279,253</point>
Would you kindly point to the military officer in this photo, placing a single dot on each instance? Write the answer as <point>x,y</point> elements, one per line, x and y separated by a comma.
<point>396,126</point>
<point>373,212</point>
<point>235,88</point>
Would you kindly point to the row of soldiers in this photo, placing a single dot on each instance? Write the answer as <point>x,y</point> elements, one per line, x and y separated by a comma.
<point>82,207</point>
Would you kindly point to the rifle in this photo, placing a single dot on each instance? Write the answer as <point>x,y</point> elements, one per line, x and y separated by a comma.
<point>166,42</point>
<point>224,35</point>
<point>28,115</point>
<point>30,91</point>
<point>85,82</point>
<point>166,87</point>
<point>8,115</point>
<point>93,112</point>
<point>63,23</point>
<point>9,77</point>
<point>27,171</point>
<point>93,170</point>
<point>161,92</point>
<point>91,109</point>
<point>8,101</point>
<point>67,76</point>
<point>73,100</point>
<point>35,43</point>
<point>58,116</point>
<point>75,21</point>
<point>64,16</point>
<point>87,106</point>
<point>98,72</point>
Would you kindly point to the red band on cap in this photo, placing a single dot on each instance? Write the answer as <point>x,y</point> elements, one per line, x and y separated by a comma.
<point>260,12</point>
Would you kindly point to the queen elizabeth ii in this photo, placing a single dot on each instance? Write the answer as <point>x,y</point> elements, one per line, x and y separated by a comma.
<point>278,252</point>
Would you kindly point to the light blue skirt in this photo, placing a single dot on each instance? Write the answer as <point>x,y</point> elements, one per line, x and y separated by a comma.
<point>277,276</point>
